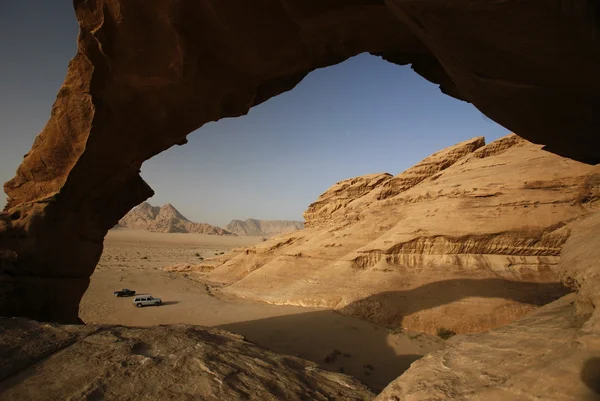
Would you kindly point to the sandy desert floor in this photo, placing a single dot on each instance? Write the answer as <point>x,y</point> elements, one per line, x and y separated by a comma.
<point>134,259</point>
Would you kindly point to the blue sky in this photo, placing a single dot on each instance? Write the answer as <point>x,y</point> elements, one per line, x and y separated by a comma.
<point>359,117</point>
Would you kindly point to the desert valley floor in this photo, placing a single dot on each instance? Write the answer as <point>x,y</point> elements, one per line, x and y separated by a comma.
<point>134,259</point>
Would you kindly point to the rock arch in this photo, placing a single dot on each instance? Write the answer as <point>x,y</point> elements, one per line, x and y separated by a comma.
<point>148,73</point>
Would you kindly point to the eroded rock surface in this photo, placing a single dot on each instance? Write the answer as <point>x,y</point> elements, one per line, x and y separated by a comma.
<point>165,219</point>
<point>467,240</point>
<point>358,193</point>
<point>142,80</point>
<point>543,356</point>
<point>580,268</point>
<point>50,362</point>
<point>552,354</point>
<point>340,195</point>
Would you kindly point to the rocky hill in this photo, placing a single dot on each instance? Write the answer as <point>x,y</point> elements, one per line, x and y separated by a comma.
<point>165,219</point>
<point>264,228</point>
<point>466,240</point>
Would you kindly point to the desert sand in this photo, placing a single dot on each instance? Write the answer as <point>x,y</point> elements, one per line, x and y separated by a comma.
<point>373,353</point>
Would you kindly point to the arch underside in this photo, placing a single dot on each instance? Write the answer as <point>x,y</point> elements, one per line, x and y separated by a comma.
<point>148,73</point>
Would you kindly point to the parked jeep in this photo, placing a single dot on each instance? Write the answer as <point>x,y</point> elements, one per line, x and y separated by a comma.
<point>146,300</point>
<point>125,292</point>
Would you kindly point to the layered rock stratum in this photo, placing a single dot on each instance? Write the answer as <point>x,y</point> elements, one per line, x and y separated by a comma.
<point>469,239</point>
<point>263,228</point>
<point>165,219</point>
<point>51,362</point>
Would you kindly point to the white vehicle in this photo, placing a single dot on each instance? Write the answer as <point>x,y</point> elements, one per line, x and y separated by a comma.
<point>146,300</point>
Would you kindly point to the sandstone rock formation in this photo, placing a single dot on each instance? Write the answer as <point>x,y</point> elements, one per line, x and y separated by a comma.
<point>146,74</point>
<point>552,354</point>
<point>359,192</point>
<point>538,357</point>
<point>42,361</point>
<point>263,228</point>
<point>340,195</point>
<point>165,219</point>
<point>141,81</point>
<point>469,239</point>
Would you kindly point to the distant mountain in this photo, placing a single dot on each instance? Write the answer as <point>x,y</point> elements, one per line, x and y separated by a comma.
<point>165,219</point>
<point>265,228</point>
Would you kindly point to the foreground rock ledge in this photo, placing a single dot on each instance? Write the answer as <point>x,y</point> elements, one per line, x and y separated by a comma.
<point>545,356</point>
<point>146,74</point>
<point>51,362</point>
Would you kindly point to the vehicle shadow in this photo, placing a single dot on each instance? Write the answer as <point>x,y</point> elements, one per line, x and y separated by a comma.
<point>167,303</point>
